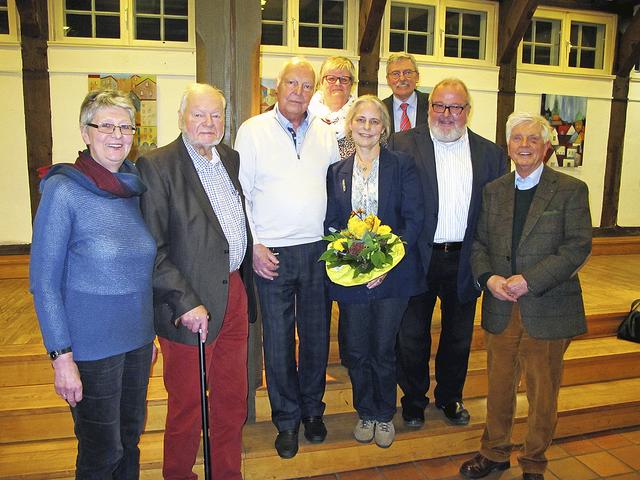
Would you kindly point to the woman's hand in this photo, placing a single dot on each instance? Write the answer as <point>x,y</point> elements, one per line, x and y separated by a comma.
<point>376,281</point>
<point>66,380</point>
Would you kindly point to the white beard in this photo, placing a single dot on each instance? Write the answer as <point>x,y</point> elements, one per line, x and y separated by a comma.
<point>448,135</point>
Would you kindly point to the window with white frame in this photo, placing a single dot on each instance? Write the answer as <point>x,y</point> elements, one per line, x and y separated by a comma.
<point>411,29</point>
<point>123,21</point>
<point>442,30</point>
<point>569,41</point>
<point>301,24</point>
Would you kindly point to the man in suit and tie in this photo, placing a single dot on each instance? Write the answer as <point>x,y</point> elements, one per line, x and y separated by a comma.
<point>202,283</point>
<point>407,106</point>
<point>534,234</point>
<point>453,164</point>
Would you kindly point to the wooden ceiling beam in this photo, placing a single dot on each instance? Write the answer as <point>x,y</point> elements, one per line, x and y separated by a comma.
<point>515,16</point>
<point>629,47</point>
<point>371,12</point>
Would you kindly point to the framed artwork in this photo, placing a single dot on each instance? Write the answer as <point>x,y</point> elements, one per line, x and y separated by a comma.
<point>568,118</point>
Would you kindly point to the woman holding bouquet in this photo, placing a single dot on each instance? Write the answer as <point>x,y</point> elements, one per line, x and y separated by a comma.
<point>375,181</point>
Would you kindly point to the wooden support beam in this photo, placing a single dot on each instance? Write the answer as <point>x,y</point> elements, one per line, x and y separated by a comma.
<point>34,28</point>
<point>515,16</point>
<point>629,47</point>
<point>506,98</point>
<point>369,45</point>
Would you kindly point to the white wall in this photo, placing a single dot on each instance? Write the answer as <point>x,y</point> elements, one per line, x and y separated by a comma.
<point>629,211</point>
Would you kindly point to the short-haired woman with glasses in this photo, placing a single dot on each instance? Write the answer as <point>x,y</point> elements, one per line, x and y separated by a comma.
<point>92,257</point>
<point>333,99</point>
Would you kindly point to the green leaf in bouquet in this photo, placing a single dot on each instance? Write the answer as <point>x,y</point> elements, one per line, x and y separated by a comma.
<point>378,259</point>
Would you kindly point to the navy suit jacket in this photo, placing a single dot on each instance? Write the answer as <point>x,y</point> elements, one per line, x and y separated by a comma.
<point>421,113</point>
<point>488,163</point>
<point>399,206</point>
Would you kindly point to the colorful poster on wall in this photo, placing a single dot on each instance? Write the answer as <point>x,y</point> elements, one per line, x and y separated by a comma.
<point>568,118</point>
<point>144,93</point>
<point>267,93</point>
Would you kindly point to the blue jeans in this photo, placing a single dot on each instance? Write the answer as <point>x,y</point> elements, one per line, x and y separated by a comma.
<point>370,333</point>
<point>110,418</point>
<point>296,298</point>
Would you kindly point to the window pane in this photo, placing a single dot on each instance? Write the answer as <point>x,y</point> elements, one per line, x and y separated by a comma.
<point>333,13</point>
<point>148,28</point>
<point>176,7</point>
<point>78,5</point>
<point>471,24</point>
<point>4,22</point>
<point>471,48</point>
<point>527,34</point>
<point>452,23</point>
<point>588,59</point>
<point>574,33</point>
<point>396,42</point>
<point>176,30</point>
<point>418,19</point>
<point>417,44</point>
<point>309,12</point>
<point>332,38</point>
<point>589,35</point>
<point>573,57</point>
<point>3,3</point>
<point>272,35</point>
<point>148,6</point>
<point>450,47</point>
<point>309,37</point>
<point>526,54</point>
<point>107,26</point>
<point>397,18</point>
<point>543,32</point>
<point>543,56</point>
<point>107,5</point>
<point>78,25</point>
<point>272,10</point>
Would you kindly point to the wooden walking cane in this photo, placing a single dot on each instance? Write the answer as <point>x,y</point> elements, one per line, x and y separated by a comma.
<point>204,404</point>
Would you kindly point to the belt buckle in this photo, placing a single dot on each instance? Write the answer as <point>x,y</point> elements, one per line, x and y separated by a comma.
<point>446,247</point>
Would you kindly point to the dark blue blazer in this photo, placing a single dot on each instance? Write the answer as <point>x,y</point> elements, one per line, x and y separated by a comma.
<point>399,206</point>
<point>488,163</point>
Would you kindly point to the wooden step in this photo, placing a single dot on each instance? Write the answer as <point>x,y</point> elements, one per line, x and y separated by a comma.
<point>582,409</point>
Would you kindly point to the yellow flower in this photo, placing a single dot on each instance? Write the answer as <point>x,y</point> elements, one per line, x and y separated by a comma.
<point>373,223</point>
<point>339,244</point>
<point>384,229</point>
<point>356,227</point>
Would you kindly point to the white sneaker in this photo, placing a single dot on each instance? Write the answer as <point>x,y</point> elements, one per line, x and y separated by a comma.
<point>385,434</point>
<point>364,430</point>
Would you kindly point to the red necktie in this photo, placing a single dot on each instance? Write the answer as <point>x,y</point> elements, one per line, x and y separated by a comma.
<point>405,124</point>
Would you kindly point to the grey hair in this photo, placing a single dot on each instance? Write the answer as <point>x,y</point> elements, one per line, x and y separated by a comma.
<point>396,57</point>
<point>99,99</point>
<point>295,61</point>
<point>518,118</point>
<point>384,114</point>
<point>449,82</point>
<point>200,88</point>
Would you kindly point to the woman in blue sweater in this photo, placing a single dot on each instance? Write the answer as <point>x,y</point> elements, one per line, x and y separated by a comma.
<point>91,263</point>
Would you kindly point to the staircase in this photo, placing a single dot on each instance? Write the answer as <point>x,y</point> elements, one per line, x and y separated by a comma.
<point>601,391</point>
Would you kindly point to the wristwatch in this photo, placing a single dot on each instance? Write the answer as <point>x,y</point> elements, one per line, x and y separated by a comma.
<point>56,353</point>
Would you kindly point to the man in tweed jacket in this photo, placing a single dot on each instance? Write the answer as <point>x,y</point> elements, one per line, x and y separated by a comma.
<point>534,234</point>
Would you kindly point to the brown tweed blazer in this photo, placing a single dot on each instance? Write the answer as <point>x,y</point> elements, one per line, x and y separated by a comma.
<point>555,243</point>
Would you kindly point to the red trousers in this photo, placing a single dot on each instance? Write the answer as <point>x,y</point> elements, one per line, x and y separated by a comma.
<point>226,365</point>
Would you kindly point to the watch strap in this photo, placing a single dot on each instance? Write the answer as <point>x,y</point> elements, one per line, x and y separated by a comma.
<point>56,353</point>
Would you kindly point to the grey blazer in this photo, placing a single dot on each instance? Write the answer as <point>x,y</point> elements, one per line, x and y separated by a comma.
<point>555,243</point>
<point>192,264</point>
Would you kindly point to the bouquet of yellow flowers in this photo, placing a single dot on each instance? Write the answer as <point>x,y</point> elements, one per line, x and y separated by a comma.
<point>365,250</point>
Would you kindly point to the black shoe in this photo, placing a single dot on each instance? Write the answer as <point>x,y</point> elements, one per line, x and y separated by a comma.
<point>480,466</point>
<point>413,418</point>
<point>287,443</point>
<point>532,476</point>
<point>314,429</point>
<point>455,413</point>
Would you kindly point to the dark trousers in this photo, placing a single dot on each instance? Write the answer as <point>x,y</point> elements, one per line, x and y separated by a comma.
<point>226,365</point>
<point>510,354</point>
<point>110,418</point>
<point>370,337</point>
<point>296,298</point>
<point>414,338</point>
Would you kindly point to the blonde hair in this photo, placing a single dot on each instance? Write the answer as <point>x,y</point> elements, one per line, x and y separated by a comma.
<point>99,99</point>
<point>338,63</point>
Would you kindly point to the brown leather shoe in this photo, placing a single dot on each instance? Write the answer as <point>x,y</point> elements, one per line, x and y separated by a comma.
<point>532,476</point>
<point>480,466</point>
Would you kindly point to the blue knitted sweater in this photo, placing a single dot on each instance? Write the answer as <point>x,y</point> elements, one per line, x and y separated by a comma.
<point>92,258</point>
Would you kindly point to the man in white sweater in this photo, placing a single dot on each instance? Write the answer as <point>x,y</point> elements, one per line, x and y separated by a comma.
<point>284,156</point>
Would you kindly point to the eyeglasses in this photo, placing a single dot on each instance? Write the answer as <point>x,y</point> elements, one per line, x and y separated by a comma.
<point>109,128</point>
<point>332,79</point>
<point>454,110</point>
<point>293,85</point>
<point>396,74</point>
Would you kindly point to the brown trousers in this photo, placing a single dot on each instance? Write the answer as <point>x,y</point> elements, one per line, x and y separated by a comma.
<point>509,354</point>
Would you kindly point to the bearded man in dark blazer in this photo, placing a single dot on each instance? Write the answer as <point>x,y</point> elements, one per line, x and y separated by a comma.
<point>406,100</point>
<point>202,283</point>
<point>453,165</point>
<point>534,234</point>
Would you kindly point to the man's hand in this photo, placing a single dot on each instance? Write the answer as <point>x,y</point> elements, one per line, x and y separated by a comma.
<point>517,286</point>
<point>496,285</point>
<point>66,379</point>
<point>265,263</point>
<point>196,319</point>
